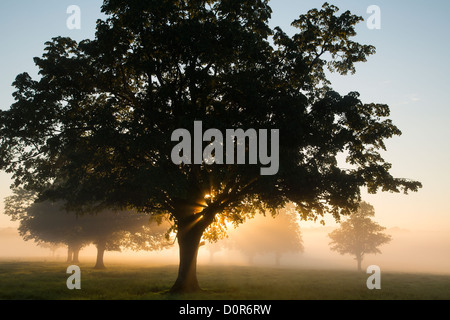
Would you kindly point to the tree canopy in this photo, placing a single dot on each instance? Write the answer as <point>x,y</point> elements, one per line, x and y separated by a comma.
<point>95,129</point>
<point>359,235</point>
<point>109,230</point>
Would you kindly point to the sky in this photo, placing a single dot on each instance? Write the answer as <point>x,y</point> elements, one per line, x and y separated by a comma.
<point>409,73</point>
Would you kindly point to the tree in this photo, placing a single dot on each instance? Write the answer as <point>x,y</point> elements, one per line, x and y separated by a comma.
<point>52,247</point>
<point>213,248</point>
<point>359,235</point>
<point>96,128</point>
<point>45,223</point>
<point>278,235</point>
<point>112,230</point>
<point>48,223</point>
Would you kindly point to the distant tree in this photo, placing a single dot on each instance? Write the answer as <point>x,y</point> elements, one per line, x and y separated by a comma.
<point>48,222</point>
<point>359,235</point>
<point>111,230</point>
<point>53,247</point>
<point>277,234</point>
<point>213,248</point>
<point>96,128</point>
<point>45,223</point>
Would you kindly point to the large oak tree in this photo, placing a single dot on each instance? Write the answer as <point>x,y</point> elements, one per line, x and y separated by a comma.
<point>95,128</point>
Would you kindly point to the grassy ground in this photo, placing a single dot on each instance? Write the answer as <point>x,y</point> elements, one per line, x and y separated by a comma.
<point>47,281</point>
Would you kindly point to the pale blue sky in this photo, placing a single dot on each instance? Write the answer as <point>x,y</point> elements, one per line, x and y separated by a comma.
<point>409,72</point>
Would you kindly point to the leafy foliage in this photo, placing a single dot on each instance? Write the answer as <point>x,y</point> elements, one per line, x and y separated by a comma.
<point>48,223</point>
<point>95,129</point>
<point>359,235</point>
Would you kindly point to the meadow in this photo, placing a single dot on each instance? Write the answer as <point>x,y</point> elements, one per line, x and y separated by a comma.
<point>32,280</point>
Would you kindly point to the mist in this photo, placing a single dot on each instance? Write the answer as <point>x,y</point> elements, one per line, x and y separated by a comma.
<point>410,251</point>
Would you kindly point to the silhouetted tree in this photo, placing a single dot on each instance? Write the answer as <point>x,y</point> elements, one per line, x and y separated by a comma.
<point>48,222</point>
<point>45,223</point>
<point>359,235</point>
<point>95,130</point>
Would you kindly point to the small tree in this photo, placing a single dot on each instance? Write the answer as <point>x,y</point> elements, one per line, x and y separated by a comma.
<point>359,235</point>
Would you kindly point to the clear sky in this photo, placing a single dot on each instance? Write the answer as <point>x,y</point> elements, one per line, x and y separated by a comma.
<point>410,73</point>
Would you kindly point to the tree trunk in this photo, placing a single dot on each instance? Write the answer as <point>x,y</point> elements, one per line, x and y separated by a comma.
<point>69,254</point>
<point>359,261</point>
<point>101,246</point>
<point>189,236</point>
<point>76,252</point>
<point>193,217</point>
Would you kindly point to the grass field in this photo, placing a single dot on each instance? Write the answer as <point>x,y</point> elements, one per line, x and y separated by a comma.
<point>47,281</point>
